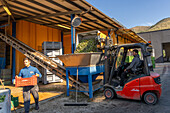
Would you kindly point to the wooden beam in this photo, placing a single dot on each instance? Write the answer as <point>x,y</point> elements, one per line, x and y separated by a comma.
<point>69,22</point>
<point>90,13</point>
<point>86,30</point>
<point>69,9</point>
<point>37,22</point>
<point>3,18</point>
<point>4,3</point>
<point>54,14</point>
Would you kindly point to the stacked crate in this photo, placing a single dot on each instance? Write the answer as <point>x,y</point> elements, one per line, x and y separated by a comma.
<point>2,55</point>
<point>51,49</point>
<point>6,76</point>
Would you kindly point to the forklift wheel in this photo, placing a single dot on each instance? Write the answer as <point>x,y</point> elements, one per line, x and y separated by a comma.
<point>109,93</point>
<point>150,98</point>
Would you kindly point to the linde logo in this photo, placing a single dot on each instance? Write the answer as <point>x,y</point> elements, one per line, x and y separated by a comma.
<point>135,90</point>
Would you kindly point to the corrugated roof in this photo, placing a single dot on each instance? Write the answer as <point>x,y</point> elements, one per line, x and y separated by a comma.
<point>61,10</point>
<point>57,13</point>
<point>130,35</point>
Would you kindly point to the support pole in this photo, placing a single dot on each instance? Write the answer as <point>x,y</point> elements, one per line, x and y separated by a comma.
<point>90,86</point>
<point>109,34</point>
<point>13,51</point>
<point>107,59</point>
<point>73,32</point>
<point>62,42</point>
<point>67,82</point>
<point>117,38</point>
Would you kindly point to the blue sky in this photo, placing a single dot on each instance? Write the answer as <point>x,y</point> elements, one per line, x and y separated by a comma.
<point>133,13</point>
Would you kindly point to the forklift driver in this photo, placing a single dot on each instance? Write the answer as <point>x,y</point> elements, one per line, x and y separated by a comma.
<point>131,68</point>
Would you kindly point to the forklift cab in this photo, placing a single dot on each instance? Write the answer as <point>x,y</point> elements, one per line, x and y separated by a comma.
<point>141,84</point>
<point>122,57</point>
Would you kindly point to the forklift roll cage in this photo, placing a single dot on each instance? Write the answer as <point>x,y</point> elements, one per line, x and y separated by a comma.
<point>114,51</point>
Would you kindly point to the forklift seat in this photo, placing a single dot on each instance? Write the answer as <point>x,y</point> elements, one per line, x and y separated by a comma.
<point>139,68</point>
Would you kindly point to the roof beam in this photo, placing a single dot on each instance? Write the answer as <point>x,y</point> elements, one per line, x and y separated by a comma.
<point>37,3</point>
<point>86,30</point>
<point>69,22</point>
<point>39,21</point>
<point>128,37</point>
<point>4,3</point>
<point>3,18</point>
<point>34,13</point>
<point>59,5</point>
<point>3,12</point>
<point>125,34</point>
<point>54,14</point>
<point>66,8</point>
<point>82,8</point>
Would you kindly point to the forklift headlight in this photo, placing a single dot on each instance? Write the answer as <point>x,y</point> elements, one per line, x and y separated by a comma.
<point>157,80</point>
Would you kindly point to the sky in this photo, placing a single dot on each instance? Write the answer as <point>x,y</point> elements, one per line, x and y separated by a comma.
<point>133,13</point>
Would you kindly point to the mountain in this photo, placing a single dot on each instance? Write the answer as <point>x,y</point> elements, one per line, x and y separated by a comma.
<point>161,25</point>
<point>138,29</point>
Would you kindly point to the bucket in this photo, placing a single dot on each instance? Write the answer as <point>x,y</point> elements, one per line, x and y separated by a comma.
<point>15,101</point>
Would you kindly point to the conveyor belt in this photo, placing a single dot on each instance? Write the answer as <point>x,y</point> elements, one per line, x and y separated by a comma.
<point>41,60</point>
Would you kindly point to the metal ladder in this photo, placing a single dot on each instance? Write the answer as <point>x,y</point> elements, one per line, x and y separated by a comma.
<point>41,60</point>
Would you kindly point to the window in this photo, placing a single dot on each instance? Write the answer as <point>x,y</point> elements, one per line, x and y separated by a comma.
<point>129,56</point>
<point>119,57</point>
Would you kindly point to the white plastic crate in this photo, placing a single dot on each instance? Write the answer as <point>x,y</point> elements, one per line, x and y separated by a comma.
<point>53,78</point>
<point>5,107</point>
<point>5,71</point>
<point>52,53</point>
<point>51,45</point>
<point>52,49</point>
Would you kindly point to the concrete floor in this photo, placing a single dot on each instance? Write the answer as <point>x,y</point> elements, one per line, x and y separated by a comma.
<point>163,106</point>
<point>100,105</point>
<point>45,92</point>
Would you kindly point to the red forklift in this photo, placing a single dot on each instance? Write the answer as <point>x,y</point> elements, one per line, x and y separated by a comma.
<point>143,84</point>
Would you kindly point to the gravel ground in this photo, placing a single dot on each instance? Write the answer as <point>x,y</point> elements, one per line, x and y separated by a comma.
<point>100,105</point>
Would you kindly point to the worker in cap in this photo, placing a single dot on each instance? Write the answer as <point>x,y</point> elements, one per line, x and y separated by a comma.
<point>131,68</point>
<point>27,72</point>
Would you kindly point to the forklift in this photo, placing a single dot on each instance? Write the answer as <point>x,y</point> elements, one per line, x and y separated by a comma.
<point>143,84</point>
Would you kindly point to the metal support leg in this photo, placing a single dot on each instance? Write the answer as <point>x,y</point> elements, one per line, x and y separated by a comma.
<point>103,78</point>
<point>73,32</point>
<point>13,52</point>
<point>62,42</point>
<point>67,82</point>
<point>90,86</point>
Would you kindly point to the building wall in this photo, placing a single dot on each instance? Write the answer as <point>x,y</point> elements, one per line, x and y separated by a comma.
<point>157,38</point>
<point>166,47</point>
<point>33,35</point>
<point>67,44</point>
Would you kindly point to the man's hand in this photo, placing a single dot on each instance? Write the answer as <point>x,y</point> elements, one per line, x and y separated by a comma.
<point>125,70</point>
<point>14,82</point>
<point>18,77</point>
<point>37,75</point>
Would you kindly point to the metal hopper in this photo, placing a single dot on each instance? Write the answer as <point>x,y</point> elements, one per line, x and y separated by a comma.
<point>82,59</point>
<point>85,68</point>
